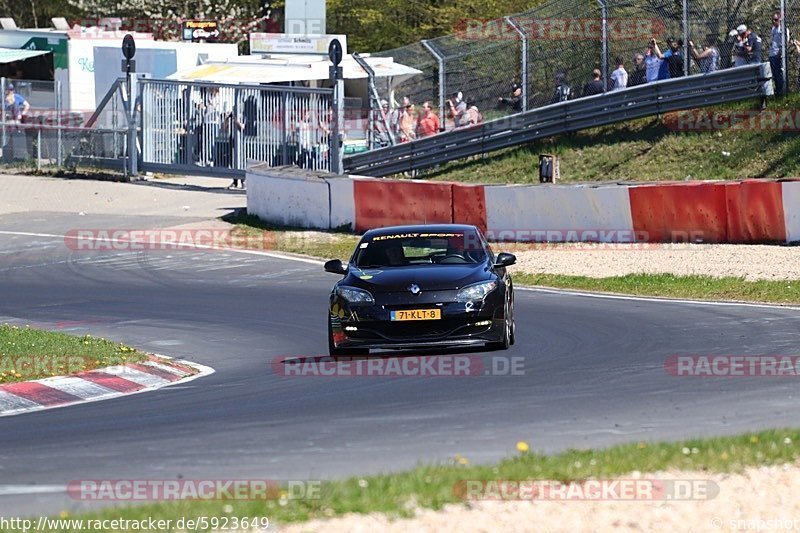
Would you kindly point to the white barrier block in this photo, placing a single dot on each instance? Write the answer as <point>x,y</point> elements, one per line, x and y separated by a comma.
<point>525,209</point>
<point>289,197</point>
<point>791,209</point>
<point>343,202</point>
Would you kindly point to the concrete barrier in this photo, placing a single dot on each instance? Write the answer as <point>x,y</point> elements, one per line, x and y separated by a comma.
<point>790,194</point>
<point>754,210</point>
<point>750,211</point>
<point>289,197</point>
<point>598,213</point>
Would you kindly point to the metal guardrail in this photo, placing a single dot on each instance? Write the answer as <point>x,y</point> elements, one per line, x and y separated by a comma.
<point>729,85</point>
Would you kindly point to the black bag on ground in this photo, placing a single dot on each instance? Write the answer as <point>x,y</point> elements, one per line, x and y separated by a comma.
<point>16,147</point>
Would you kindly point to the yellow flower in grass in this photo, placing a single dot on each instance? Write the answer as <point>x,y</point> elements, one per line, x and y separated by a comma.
<point>522,447</point>
<point>754,439</point>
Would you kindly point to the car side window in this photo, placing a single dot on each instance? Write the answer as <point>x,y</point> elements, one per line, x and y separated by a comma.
<point>486,245</point>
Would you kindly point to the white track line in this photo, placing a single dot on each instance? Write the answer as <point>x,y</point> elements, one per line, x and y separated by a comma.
<point>278,255</point>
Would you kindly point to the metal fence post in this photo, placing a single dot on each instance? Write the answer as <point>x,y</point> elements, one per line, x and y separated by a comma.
<point>440,61</point>
<point>336,148</point>
<point>59,143</point>
<point>524,62</point>
<point>3,92</point>
<point>604,59</point>
<point>685,20</point>
<point>784,53</point>
<point>132,150</point>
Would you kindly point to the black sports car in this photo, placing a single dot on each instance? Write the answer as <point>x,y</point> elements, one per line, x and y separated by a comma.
<point>418,287</point>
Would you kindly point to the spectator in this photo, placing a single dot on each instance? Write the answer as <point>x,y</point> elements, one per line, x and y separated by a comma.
<point>515,101</point>
<point>473,113</point>
<point>738,52</point>
<point>595,86</point>
<point>563,91</point>
<point>652,61</point>
<point>708,59</point>
<point>223,145</point>
<point>15,105</point>
<point>458,110</point>
<point>671,65</point>
<point>637,76</point>
<point>407,123</point>
<point>776,53</point>
<point>752,44</point>
<point>619,78</point>
<point>428,122</point>
<point>383,124</point>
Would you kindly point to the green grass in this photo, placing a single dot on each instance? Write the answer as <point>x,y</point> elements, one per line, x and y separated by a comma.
<point>319,244</point>
<point>432,486</point>
<point>28,353</point>
<point>669,285</point>
<point>643,150</point>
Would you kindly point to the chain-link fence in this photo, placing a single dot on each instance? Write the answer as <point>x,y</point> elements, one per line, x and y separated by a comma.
<point>527,60</point>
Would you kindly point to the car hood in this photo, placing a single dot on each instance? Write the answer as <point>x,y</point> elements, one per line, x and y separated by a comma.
<point>428,277</point>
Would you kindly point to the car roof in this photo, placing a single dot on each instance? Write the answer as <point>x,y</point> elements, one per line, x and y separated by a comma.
<point>427,228</point>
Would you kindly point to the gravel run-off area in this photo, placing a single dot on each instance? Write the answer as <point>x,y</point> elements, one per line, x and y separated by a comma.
<point>758,499</point>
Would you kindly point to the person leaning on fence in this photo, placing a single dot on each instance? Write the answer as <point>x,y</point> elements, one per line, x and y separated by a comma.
<point>776,53</point>
<point>458,110</point>
<point>407,123</point>
<point>428,121</point>
<point>383,124</point>
<point>563,91</point>
<point>474,115</point>
<point>708,59</point>
<point>595,86</point>
<point>652,61</point>
<point>514,102</point>
<point>223,144</point>
<point>619,78</point>
<point>15,105</point>
<point>637,76</point>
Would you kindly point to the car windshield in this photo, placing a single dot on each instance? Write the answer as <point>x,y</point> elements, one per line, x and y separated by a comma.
<point>419,248</point>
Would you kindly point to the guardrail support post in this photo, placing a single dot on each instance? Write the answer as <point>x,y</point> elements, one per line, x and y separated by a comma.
<point>440,61</point>
<point>524,62</point>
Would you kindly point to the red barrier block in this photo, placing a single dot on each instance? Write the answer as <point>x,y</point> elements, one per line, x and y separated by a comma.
<point>681,212</point>
<point>469,205</point>
<point>755,212</point>
<point>384,202</point>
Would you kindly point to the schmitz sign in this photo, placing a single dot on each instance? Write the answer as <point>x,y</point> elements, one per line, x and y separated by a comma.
<point>284,43</point>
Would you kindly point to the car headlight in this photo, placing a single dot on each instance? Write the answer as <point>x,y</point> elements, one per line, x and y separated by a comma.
<point>353,295</point>
<point>477,291</point>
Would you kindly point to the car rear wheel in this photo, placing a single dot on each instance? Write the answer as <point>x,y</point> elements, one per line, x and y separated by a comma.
<point>334,351</point>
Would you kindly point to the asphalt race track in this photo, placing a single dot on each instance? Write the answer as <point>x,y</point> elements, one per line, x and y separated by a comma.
<point>594,374</point>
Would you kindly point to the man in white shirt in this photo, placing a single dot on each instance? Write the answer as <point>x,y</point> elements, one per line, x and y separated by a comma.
<point>619,78</point>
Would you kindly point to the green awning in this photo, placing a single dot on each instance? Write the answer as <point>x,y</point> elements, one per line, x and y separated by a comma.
<point>9,55</point>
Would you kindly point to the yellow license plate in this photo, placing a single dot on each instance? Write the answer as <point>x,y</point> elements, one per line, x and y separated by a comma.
<point>417,314</point>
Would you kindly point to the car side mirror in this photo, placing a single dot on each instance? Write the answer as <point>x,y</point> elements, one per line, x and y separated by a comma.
<point>503,260</point>
<point>335,266</point>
